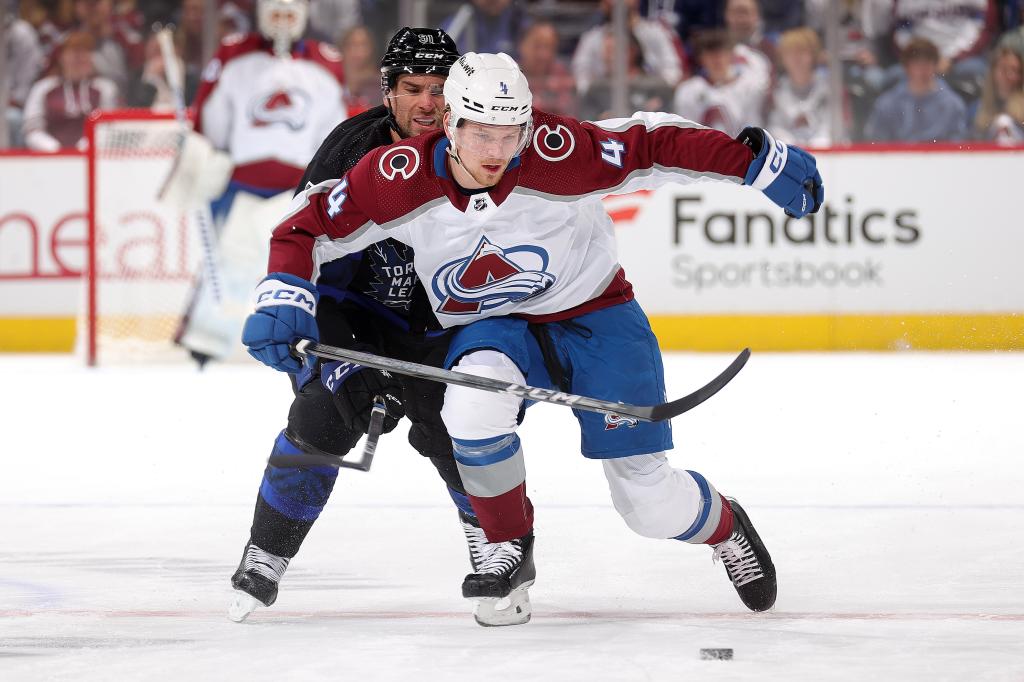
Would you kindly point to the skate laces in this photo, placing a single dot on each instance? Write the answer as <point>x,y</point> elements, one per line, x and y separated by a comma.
<point>477,541</point>
<point>268,565</point>
<point>502,557</point>
<point>739,559</point>
<point>491,557</point>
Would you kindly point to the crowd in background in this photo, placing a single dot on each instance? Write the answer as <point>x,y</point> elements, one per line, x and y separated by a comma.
<point>912,70</point>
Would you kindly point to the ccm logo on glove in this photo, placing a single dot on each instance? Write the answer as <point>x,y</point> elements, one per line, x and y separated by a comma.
<point>271,292</point>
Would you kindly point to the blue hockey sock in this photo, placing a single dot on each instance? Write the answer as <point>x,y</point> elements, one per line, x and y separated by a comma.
<point>298,493</point>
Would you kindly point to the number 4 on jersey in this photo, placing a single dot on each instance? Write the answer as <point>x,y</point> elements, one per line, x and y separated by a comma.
<point>336,198</point>
<point>612,151</point>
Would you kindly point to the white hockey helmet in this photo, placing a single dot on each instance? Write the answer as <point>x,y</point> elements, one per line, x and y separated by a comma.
<point>489,89</point>
<point>283,22</point>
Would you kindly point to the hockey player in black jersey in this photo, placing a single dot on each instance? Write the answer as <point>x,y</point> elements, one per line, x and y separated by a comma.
<point>369,301</point>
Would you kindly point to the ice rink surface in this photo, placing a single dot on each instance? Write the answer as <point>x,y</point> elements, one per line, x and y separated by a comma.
<point>888,489</point>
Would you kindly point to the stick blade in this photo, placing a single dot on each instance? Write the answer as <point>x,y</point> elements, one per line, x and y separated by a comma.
<point>687,403</point>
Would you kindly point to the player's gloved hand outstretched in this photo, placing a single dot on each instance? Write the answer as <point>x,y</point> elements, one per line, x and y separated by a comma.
<point>285,313</point>
<point>356,388</point>
<point>786,174</point>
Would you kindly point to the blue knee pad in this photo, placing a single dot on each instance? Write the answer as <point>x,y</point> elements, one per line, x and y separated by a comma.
<point>299,494</point>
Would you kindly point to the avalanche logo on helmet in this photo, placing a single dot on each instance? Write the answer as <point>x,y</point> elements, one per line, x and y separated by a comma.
<point>490,278</point>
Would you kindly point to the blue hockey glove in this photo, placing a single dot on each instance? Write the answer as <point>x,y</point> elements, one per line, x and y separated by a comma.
<point>786,174</point>
<point>355,390</point>
<point>285,313</point>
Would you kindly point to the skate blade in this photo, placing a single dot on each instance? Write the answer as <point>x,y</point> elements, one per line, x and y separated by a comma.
<point>515,609</point>
<point>241,606</point>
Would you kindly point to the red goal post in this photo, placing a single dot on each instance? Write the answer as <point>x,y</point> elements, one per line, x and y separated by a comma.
<point>142,256</point>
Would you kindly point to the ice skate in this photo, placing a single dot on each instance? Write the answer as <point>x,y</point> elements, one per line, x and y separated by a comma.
<point>503,574</point>
<point>255,582</point>
<point>747,562</point>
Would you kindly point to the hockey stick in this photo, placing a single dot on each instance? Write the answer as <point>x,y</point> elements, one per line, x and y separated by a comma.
<point>200,215</point>
<point>373,433</point>
<point>650,413</point>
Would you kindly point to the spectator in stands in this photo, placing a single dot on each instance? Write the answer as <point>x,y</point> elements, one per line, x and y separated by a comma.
<point>1014,38</point>
<point>1005,79</point>
<point>687,17</point>
<point>486,26</point>
<point>782,15</point>
<point>553,87</point>
<point>726,94</point>
<point>232,17</point>
<point>645,91</point>
<point>361,65</point>
<point>961,30</point>
<point>52,20</point>
<point>119,49</point>
<point>24,62</point>
<point>922,108</point>
<point>800,101</point>
<point>58,105</point>
<point>745,27</point>
<point>660,49</point>
<point>864,78</point>
<point>329,20</point>
<point>152,89</point>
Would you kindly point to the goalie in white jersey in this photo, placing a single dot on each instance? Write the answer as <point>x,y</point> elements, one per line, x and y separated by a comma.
<point>503,212</point>
<point>266,101</point>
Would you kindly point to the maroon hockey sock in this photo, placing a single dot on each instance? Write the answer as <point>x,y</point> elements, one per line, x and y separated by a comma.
<point>504,517</point>
<point>724,529</point>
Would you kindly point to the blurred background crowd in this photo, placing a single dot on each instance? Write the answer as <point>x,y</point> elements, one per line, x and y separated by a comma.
<point>816,72</point>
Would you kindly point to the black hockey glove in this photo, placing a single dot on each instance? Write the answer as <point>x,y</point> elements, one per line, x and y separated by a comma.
<point>355,389</point>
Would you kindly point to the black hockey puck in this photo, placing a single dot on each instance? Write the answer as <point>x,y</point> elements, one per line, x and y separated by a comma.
<point>716,654</point>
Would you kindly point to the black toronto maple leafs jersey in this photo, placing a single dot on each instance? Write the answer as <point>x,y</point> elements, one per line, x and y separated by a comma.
<point>381,278</point>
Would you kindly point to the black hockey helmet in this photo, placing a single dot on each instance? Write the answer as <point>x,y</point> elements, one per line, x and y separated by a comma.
<point>417,50</point>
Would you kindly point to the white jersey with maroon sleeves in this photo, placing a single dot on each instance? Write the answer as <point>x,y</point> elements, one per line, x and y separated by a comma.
<point>538,244</point>
<point>270,113</point>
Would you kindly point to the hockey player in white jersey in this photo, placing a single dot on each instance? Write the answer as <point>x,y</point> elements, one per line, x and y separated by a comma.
<point>503,212</point>
<point>266,101</point>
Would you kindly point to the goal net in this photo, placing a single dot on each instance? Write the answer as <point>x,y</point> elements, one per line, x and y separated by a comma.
<point>143,256</point>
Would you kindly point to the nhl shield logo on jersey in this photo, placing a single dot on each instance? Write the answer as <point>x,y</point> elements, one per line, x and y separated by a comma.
<point>289,107</point>
<point>490,278</point>
<point>614,421</point>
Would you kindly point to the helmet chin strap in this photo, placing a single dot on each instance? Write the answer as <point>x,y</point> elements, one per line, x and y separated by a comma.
<point>452,151</point>
<point>392,121</point>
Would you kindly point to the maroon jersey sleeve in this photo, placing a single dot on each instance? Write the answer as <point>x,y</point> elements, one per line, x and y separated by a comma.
<point>384,189</point>
<point>579,158</point>
<point>329,212</point>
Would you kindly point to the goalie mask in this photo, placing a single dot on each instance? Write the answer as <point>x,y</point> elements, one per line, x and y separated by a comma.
<point>282,22</point>
<point>488,89</point>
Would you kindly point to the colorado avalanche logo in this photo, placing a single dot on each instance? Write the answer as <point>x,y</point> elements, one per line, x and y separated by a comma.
<point>399,161</point>
<point>553,144</point>
<point>490,278</point>
<point>614,421</point>
<point>289,107</point>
